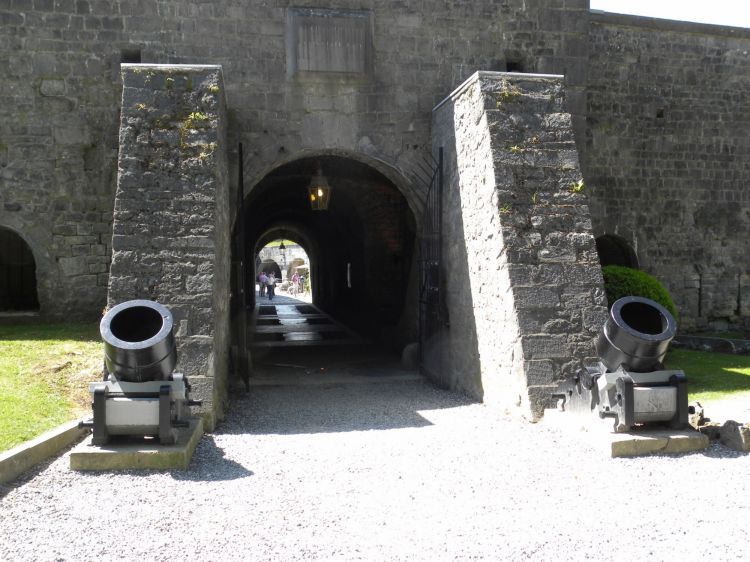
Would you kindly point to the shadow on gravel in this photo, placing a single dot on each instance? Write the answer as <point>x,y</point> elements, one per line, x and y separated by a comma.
<point>719,451</point>
<point>336,408</point>
<point>209,463</point>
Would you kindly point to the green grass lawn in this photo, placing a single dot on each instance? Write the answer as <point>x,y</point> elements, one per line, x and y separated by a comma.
<point>712,376</point>
<point>44,376</point>
<point>45,371</point>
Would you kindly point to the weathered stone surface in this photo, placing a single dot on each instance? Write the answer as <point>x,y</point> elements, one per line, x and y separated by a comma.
<point>661,149</point>
<point>163,249</point>
<point>516,320</point>
<point>735,435</point>
<point>666,127</point>
<point>142,456</point>
<point>59,117</point>
<point>662,442</point>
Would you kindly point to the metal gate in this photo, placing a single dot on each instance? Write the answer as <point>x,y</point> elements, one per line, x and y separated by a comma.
<point>240,279</point>
<point>432,317</point>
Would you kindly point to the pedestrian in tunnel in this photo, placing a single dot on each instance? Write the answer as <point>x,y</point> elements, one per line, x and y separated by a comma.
<point>262,282</point>
<point>294,287</point>
<point>271,286</point>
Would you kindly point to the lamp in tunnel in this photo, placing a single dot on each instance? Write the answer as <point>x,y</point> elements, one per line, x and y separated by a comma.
<point>282,249</point>
<point>319,192</point>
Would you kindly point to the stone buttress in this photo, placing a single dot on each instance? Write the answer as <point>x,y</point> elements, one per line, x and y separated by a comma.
<point>171,240</point>
<point>523,284</point>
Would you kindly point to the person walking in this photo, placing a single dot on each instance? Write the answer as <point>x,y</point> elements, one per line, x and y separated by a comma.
<point>271,286</point>
<point>262,281</point>
<point>294,289</point>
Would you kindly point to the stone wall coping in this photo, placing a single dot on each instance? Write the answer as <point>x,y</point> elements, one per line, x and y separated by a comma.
<point>481,74</point>
<point>659,24</point>
<point>195,67</point>
<point>23,457</point>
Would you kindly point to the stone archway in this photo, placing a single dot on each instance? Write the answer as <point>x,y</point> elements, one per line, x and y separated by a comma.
<point>361,249</point>
<point>615,250</point>
<point>18,282</point>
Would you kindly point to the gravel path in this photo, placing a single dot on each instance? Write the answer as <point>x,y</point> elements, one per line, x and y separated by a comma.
<point>396,471</point>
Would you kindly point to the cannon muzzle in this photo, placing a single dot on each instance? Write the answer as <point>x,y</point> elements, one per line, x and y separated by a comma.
<point>138,342</point>
<point>636,335</point>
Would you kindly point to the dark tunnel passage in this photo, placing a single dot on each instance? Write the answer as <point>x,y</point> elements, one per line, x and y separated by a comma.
<point>361,249</point>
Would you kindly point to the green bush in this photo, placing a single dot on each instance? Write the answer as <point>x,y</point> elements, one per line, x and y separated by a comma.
<point>628,282</point>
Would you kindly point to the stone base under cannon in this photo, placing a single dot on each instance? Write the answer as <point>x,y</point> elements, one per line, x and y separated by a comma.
<point>635,405</point>
<point>638,442</point>
<point>139,453</point>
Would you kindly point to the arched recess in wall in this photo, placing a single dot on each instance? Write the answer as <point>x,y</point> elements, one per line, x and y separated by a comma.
<point>18,283</point>
<point>361,248</point>
<point>270,266</point>
<point>615,250</point>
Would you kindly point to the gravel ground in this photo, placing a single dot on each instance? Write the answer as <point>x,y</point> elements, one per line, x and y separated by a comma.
<point>397,471</point>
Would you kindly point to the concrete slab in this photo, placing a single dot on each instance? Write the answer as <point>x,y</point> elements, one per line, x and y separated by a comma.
<point>656,441</point>
<point>19,459</point>
<point>140,455</point>
<point>637,443</point>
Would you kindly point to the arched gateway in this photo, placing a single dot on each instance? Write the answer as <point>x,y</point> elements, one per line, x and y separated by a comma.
<point>361,248</point>
<point>515,270</point>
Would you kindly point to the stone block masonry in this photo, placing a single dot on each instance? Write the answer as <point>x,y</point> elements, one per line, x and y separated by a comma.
<point>59,117</point>
<point>666,157</point>
<point>171,227</point>
<point>524,289</point>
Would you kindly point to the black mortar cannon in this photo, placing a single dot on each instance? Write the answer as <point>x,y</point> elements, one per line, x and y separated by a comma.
<point>630,384</point>
<point>140,394</point>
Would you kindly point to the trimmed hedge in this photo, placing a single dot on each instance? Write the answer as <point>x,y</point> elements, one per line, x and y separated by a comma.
<point>622,281</point>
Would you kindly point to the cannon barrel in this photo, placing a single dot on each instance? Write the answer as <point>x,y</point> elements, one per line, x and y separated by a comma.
<point>138,342</point>
<point>636,335</point>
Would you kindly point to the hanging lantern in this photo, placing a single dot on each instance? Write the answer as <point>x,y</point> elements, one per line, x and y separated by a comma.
<point>319,192</point>
<point>282,249</point>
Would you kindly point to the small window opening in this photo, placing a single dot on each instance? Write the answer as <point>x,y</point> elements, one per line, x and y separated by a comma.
<point>513,66</point>
<point>660,114</point>
<point>131,56</point>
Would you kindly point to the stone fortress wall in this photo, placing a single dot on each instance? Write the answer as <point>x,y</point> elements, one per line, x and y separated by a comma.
<point>59,119</point>
<point>663,149</point>
<point>667,156</point>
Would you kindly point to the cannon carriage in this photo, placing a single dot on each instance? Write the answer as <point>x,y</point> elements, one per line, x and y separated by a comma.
<point>630,384</point>
<point>140,395</point>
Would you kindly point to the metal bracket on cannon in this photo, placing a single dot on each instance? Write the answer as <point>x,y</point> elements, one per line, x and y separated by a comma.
<point>630,384</point>
<point>149,408</point>
<point>140,395</point>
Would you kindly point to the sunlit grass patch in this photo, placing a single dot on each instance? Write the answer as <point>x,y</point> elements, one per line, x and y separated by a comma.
<point>44,376</point>
<point>712,376</point>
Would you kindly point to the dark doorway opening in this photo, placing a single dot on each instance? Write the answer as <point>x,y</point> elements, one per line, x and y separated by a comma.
<point>615,250</point>
<point>17,274</point>
<point>361,249</point>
